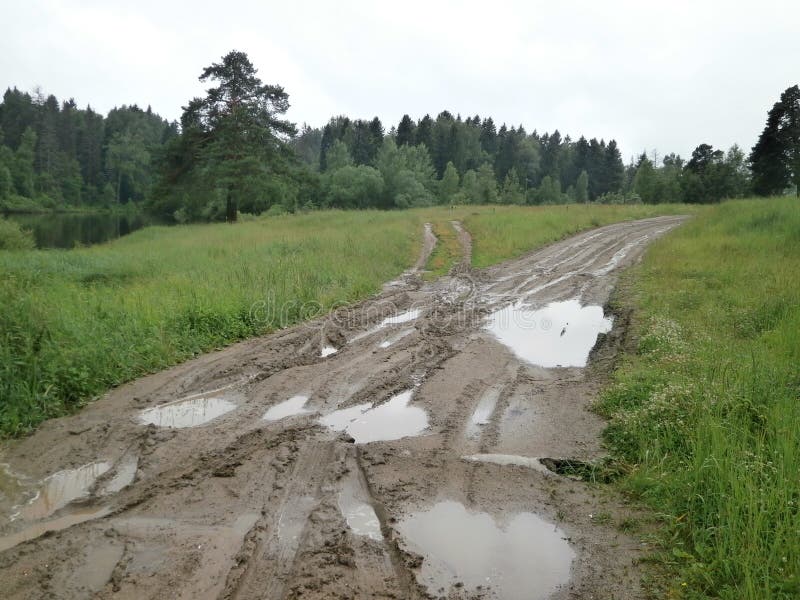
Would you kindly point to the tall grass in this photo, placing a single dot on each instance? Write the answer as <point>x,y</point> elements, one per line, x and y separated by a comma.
<point>707,411</point>
<point>75,323</point>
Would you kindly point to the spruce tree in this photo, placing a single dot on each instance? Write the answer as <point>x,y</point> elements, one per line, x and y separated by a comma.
<point>775,158</point>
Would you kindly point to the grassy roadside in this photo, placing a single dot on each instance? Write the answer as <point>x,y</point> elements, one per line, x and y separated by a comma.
<point>707,411</point>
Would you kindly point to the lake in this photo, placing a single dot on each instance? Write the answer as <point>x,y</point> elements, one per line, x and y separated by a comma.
<point>65,230</point>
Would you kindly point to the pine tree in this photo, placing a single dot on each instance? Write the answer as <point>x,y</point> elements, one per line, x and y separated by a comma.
<point>424,134</point>
<point>406,132</point>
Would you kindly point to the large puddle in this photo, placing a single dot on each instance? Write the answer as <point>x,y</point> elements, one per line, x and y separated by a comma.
<point>61,488</point>
<point>392,420</point>
<point>288,408</point>
<point>186,413</point>
<point>562,334</point>
<point>524,559</point>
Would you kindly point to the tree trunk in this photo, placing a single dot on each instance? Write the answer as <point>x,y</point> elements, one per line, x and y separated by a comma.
<point>230,209</point>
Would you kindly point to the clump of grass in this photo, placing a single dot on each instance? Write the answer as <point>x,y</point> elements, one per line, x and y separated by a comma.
<point>447,252</point>
<point>708,410</point>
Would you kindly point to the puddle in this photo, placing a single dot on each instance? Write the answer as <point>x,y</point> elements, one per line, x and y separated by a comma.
<point>39,529</point>
<point>288,408</point>
<point>362,520</point>
<point>483,412</point>
<point>359,514</point>
<point>526,559</point>
<point>392,420</point>
<point>405,317</point>
<point>61,488</point>
<point>123,477</point>
<point>559,335</point>
<point>393,340</point>
<point>327,351</point>
<point>186,413</point>
<point>505,460</point>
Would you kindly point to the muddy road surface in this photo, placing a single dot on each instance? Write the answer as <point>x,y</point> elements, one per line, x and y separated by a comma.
<point>394,449</point>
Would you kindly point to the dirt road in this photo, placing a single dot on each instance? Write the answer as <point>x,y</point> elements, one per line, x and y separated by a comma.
<point>390,450</point>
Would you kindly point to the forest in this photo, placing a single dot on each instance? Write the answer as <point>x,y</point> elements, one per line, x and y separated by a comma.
<point>233,151</point>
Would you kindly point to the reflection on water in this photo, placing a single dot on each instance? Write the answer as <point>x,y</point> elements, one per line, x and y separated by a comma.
<point>288,408</point>
<point>392,420</point>
<point>64,230</point>
<point>186,413</point>
<point>61,488</point>
<point>526,559</point>
<point>562,334</point>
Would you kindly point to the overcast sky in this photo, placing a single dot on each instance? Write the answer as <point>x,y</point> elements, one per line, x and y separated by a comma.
<point>663,76</point>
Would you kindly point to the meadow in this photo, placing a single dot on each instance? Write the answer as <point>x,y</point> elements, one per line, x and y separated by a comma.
<point>705,416</point>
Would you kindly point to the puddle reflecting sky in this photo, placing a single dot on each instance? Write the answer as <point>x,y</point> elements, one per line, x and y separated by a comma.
<point>392,420</point>
<point>483,412</point>
<point>327,351</point>
<point>559,335</point>
<point>293,406</point>
<point>526,559</point>
<point>61,488</point>
<point>405,317</point>
<point>124,475</point>
<point>186,413</point>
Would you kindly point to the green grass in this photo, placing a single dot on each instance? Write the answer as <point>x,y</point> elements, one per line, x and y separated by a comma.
<point>707,411</point>
<point>75,323</point>
<point>447,251</point>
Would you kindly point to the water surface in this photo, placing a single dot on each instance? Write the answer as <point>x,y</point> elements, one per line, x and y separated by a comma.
<point>525,558</point>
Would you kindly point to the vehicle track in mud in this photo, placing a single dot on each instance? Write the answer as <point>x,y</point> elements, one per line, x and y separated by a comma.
<point>241,507</point>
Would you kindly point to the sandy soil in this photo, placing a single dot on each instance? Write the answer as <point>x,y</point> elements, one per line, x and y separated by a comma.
<point>243,507</point>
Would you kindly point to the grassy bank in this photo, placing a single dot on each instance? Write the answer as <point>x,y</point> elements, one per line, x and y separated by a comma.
<point>77,322</point>
<point>707,412</point>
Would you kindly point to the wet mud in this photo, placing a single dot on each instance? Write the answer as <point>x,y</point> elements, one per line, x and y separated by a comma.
<point>439,451</point>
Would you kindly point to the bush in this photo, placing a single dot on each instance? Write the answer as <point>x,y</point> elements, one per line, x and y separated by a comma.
<point>14,237</point>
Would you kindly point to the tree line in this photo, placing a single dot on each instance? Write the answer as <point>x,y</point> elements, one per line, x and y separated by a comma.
<point>233,151</point>
<point>54,154</point>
